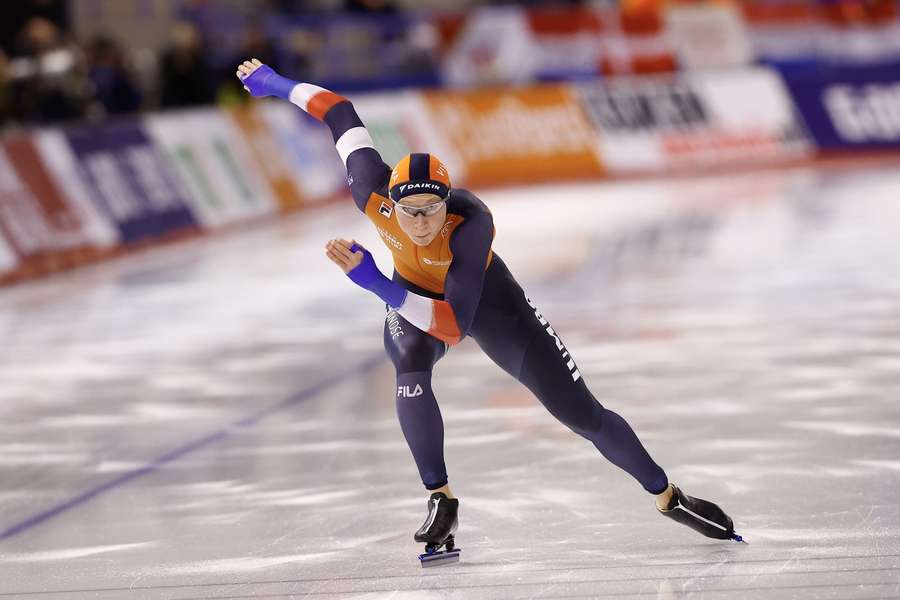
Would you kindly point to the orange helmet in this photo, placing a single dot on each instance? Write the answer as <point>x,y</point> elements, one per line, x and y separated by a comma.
<point>419,173</point>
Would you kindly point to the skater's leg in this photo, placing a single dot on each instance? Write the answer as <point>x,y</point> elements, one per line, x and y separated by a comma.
<point>414,354</point>
<point>521,341</point>
<point>422,425</point>
<point>546,375</point>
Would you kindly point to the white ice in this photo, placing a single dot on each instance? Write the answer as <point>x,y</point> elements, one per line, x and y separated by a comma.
<point>214,419</point>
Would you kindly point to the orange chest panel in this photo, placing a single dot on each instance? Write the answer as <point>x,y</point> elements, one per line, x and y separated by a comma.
<point>424,266</point>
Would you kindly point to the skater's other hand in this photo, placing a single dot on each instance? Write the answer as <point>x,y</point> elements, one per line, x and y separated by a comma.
<point>338,251</point>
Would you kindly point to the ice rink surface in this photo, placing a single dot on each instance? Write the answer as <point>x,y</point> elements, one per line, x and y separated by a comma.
<point>214,419</point>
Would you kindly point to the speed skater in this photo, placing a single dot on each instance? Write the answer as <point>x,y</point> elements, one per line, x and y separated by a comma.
<point>448,284</point>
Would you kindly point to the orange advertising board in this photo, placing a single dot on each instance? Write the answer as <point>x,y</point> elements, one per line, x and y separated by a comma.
<point>267,152</point>
<point>514,136</point>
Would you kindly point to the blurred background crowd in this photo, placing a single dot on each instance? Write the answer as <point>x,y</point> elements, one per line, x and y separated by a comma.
<point>88,59</point>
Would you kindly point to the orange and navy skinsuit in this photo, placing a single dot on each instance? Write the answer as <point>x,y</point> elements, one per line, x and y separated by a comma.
<point>445,277</point>
<point>456,287</point>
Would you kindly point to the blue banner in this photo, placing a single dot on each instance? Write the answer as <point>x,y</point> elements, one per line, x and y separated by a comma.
<point>131,182</point>
<point>849,108</point>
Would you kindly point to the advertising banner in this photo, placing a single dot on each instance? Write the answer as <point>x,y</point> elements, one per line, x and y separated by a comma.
<point>693,120</point>
<point>708,36</point>
<point>8,260</point>
<point>215,164</point>
<point>509,44</point>
<point>64,168</point>
<point>21,219</point>
<point>130,181</point>
<point>308,148</point>
<point>516,135</point>
<point>494,46</point>
<point>850,108</point>
<point>268,155</point>
<point>64,226</point>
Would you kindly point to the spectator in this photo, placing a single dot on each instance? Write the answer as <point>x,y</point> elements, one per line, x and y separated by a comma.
<point>184,73</point>
<point>254,43</point>
<point>7,102</point>
<point>17,14</point>
<point>114,87</point>
<point>51,82</point>
<point>372,7</point>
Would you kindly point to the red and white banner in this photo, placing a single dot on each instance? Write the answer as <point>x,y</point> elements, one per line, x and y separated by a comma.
<point>693,120</point>
<point>63,167</point>
<point>708,36</point>
<point>8,260</point>
<point>22,220</point>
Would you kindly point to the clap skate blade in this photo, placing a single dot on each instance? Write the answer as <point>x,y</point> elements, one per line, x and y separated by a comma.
<point>702,516</point>
<point>434,557</point>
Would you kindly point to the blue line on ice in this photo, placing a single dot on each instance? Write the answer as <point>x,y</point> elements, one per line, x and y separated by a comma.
<point>248,421</point>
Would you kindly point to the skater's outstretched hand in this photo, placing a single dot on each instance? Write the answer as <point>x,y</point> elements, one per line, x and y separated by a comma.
<point>261,80</point>
<point>341,254</point>
<point>246,68</point>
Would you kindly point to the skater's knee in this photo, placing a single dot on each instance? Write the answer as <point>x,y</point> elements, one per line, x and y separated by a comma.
<point>586,418</point>
<point>415,351</point>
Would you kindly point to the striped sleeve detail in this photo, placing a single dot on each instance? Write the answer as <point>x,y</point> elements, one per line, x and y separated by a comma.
<point>302,92</point>
<point>434,317</point>
<point>319,105</point>
<point>341,118</point>
<point>315,100</point>
<point>353,139</point>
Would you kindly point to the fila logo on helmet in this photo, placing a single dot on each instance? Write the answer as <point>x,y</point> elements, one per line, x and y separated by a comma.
<point>420,185</point>
<point>404,391</point>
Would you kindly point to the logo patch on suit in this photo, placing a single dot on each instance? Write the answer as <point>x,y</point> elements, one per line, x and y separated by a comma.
<point>386,209</point>
<point>405,391</point>
<point>436,263</point>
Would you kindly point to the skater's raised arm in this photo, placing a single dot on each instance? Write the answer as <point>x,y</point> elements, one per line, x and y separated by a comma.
<point>366,171</point>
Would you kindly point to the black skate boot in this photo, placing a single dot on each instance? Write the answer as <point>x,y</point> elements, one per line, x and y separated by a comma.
<point>437,531</point>
<point>701,516</point>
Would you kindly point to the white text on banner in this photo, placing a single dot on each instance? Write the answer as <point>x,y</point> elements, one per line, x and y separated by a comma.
<point>693,120</point>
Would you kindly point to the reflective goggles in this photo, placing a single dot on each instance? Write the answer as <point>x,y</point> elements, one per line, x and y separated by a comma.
<point>429,210</point>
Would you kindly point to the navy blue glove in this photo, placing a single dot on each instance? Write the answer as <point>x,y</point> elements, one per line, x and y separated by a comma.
<point>367,276</point>
<point>266,82</point>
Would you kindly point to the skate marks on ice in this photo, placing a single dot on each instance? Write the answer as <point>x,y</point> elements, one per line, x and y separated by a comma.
<point>751,345</point>
<point>711,575</point>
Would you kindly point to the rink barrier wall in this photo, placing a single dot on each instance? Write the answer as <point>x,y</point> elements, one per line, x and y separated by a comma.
<point>77,194</point>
